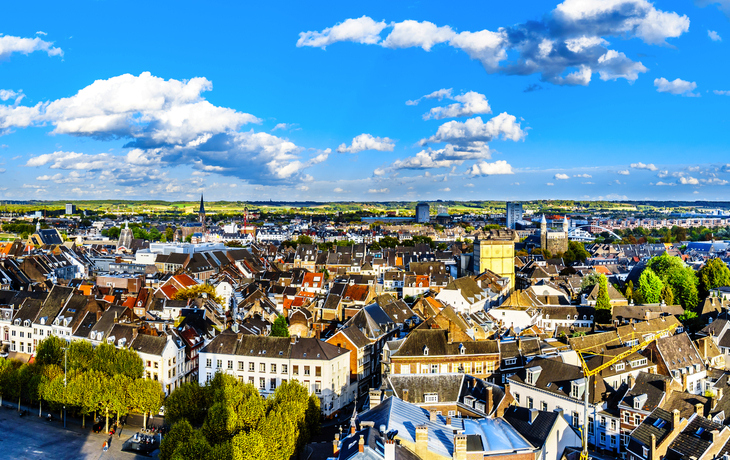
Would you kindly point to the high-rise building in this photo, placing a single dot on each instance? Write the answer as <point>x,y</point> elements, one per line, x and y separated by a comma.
<point>514,213</point>
<point>423,213</point>
<point>70,208</point>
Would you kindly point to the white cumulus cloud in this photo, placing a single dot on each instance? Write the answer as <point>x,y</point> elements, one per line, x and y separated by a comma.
<point>624,172</point>
<point>561,176</point>
<point>471,103</point>
<point>714,36</point>
<point>381,190</point>
<point>688,180</point>
<point>10,45</point>
<point>641,165</point>
<point>676,86</point>
<point>499,167</point>
<point>411,33</point>
<point>360,30</point>
<point>368,142</point>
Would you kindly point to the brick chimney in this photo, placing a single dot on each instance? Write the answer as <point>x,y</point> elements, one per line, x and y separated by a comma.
<point>448,420</point>
<point>336,445</point>
<point>374,398</point>
<point>361,444</point>
<point>422,441</point>
<point>405,395</point>
<point>489,400</point>
<point>432,415</point>
<point>675,419</point>
<point>389,449</point>
<point>699,409</point>
<point>460,447</point>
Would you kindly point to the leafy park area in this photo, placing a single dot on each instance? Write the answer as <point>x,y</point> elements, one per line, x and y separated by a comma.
<point>104,380</point>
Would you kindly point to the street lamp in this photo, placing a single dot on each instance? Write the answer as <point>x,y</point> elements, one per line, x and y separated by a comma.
<point>65,362</point>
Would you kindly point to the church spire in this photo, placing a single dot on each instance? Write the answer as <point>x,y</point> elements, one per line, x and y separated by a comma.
<point>201,211</point>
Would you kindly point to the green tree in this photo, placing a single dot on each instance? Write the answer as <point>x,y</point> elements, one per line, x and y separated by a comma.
<point>187,402</point>
<point>603,302</point>
<point>712,275</point>
<point>79,355</point>
<point>629,292</point>
<point>50,351</point>
<point>179,434</point>
<point>146,396</point>
<point>667,295</point>
<point>650,286</point>
<point>199,290</point>
<point>85,391</point>
<point>681,278</point>
<point>588,281</point>
<point>280,328</point>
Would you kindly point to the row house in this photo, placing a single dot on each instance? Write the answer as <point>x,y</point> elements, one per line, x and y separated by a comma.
<point>268,362</point>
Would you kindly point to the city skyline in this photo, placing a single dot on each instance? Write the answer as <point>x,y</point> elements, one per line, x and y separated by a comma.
<point>592,100</point>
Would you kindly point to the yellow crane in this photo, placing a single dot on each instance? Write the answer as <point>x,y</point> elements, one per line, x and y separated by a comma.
<point>588,373</point>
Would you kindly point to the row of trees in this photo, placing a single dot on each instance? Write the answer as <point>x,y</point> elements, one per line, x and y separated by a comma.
<point>228,419</point>
<point>102,379</point>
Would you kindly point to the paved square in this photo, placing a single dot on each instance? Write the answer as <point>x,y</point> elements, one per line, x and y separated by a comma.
<point>31,437</point>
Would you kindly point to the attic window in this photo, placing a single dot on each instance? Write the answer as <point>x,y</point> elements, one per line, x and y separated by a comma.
<point>425,350</point>
<point>659,423</point>
<point>462,349</point>
<point>281,353</point>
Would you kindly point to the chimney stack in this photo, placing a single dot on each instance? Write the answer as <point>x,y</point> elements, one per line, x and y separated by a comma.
<point>389,449</point>
<point>422,441</point>
<point>432,415</point>
<point>448,420</point>
<point>489,400</point>
<point>652,448</point>
<point>632,381</point>
<point>361,444</point>
<point>699,409</point>
<point>374,398</point>
<point>405,395</point>
<point>675,419</point>
<point>460,447</point>
<point>533,415</point>
<point>336,445</point>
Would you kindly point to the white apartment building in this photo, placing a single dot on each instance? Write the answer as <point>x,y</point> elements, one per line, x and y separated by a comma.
<point>267,362</point>
<point>163,358</point>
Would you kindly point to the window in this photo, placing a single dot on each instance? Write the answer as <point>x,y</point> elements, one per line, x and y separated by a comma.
<point>318,387</point>
<point>625,439</point>
<point>251,367</point>
<point>405,368</point>
<point>22,334</point>
<point>434,368</point>
<point>467,368</point>
<point>250,380</point>
<point>295,370</point>
<point>627,417</point>
<point>230,364</point>
<point>262,367</point>
<point>284,368</point>
<point>218,363</point>
<point>272,385</point>
<point>12,333</point>
<point>645,451</point>
<point>510,361</point>
<point>517,397</point>
<point>306,370</point>
<point>22,346</point>
<point>613,424</point>
<point>529,402</point>
<point>262,383</point>
<point>478,367</point>
<point>590,425</point>
<point>603,421</point>
<point>240,365</point>
<point>207,363</point>
<point>318,371</point>
<point>637,419</point>
<point>273,368</point>
<point>620,366</point>
<point>576,419</point>
<point>544,406</point>
<point>431,397</point>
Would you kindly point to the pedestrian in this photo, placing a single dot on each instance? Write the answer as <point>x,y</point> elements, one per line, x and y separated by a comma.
<point>120,430</point>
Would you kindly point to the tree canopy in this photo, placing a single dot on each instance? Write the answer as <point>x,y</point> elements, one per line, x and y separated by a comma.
<point>712,275</point>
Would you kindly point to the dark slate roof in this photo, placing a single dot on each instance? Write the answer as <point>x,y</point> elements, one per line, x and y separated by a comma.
<point>694,440</point>
<point>658,423</point>
<point>555,377</point>
<point>650,385</point>
<point>438,345</point>
<point>28,310</point>
<point>150,344</point>
<point>537,431</point>
<point>55,302</point>
<point>228,342</point>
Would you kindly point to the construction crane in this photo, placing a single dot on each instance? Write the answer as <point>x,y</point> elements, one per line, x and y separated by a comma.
<point>588,373</point>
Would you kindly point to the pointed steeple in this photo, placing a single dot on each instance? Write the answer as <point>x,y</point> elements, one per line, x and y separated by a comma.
<point>202,206</point>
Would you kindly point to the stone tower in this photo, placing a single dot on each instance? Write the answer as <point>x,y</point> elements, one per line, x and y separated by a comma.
<point>543,232</point>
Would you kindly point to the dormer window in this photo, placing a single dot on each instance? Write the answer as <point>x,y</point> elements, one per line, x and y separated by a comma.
<point>533,373</point>
<point>26,323</point>
<point>122,341</point>
<point>639,401</point>
<point>576,388</point>
<point>462,349</point>
<point>17,322</point>
<point>425,350</point>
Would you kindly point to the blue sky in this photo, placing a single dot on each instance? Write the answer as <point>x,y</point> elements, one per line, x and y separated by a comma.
<point>584,99</point>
